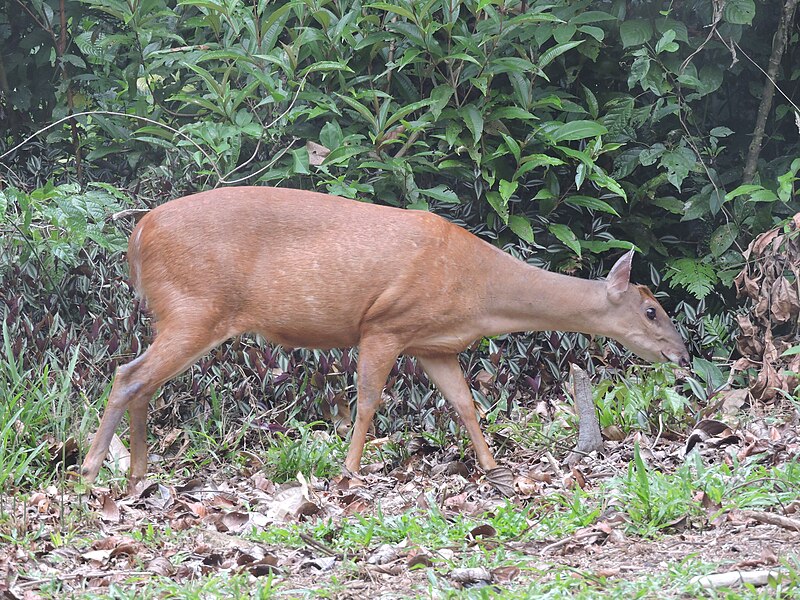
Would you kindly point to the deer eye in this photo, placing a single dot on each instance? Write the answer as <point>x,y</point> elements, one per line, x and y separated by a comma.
<point>651,313</point>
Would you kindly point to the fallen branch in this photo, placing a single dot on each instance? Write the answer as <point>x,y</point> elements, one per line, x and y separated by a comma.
<point>717,580</point>
<point>772,519</point>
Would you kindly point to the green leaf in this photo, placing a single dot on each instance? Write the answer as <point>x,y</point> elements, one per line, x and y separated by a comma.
<point>474,121</point>
<point>441,193</point>
<point>720,132</point>
<point>300,161</point>
<point>670,204</point>
<point>522,227</point>
<point>600,246</point>
<point>342,154</point>
<point>577,130</point>
<point>566,236</point>
<point>325,66</point>
<point>512,112</point>
<point>592,16</point>
<point>739,12</point>
<point>786,181</point>
<point>794,350</point>
<point>591,101</point>
<point>534,161</point>
<point>591,203</point>
<point>678,163</point>
<point>331,135</point>
<point>392,8</point>
<point>512,145</point>
<point>723,238</point>
<point>499,206</point>
<point>639,70</point>
<point>747,188</point>
<point>667,42</point>
<point>635,32</point>
<point>362,110</point>
<point>507,189</point>
<point>763,196</point>
<point>556,51</point>
<point>440,96</point>
<point>607,182</point>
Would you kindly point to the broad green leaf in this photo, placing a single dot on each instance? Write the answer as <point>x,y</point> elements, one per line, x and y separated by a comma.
<point>512,112</point>
<point>739,12</point>
<point>591,16</point>
<point>331,135</point>
<point>786,181</point>
<point>273,26</point>
<point>404,111</point>
<point>512,145</point>
<point>556,51</point>
<point>681,32</point>
<point>678,162</point>
<point>393,8</point>
<point>563,33</point>
<point>300,161</point>
<point>580,175</point>
<point>566,236</point>
<point>607,182</point>
<point>599,246</point>
<point>474,121</point>
<point>591,101</point>
<point>577,130</point>
<point>534,161</point>
<point>500,207</point>
<point>595,32</point>
<point>440,96</point>
<point>507,189</point>
<point>342,154</point>
<point>441,193</point>
<point>794,350</point>
<point>723,238</point>
<point>362,110</point>
<point>710,79</point>
<point>592,203</point>
<point>639,70</point>
<point>720,132</point>
<point>670,204</point>
<point>667,42</point>
<point>747,188</point>
<point>635,32</point>
<point>510,64</point>
<point>522,227</point>
<point>763,196</point>
<point>325,66</point>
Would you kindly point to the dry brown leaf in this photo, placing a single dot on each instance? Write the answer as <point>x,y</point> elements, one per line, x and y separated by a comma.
<point>502,479</point>
<point>482,531</point>
<point>109,511</point>
<point>316,153</point>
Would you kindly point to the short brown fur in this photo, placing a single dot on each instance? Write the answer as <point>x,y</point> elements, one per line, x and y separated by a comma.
<point>310,270</point>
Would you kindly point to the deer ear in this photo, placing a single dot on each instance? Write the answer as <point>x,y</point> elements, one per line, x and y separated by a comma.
<point>620,276</point>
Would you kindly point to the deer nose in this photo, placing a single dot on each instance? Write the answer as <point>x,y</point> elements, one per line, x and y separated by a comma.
<point>684,361</point>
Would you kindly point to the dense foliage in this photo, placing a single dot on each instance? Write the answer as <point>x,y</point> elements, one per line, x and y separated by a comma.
<point>561,130</point>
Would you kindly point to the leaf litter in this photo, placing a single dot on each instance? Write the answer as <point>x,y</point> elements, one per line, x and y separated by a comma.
<point>211,523</point>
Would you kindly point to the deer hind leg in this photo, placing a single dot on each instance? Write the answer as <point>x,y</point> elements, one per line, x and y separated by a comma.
<point>175,348</point>
<point>445,372</point>
<point>376,356</point>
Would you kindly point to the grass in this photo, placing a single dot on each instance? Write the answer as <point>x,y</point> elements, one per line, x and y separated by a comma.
<point>34,413</point>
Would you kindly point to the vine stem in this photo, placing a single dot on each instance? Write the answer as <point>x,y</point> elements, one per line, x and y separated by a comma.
<point>778,46</point>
